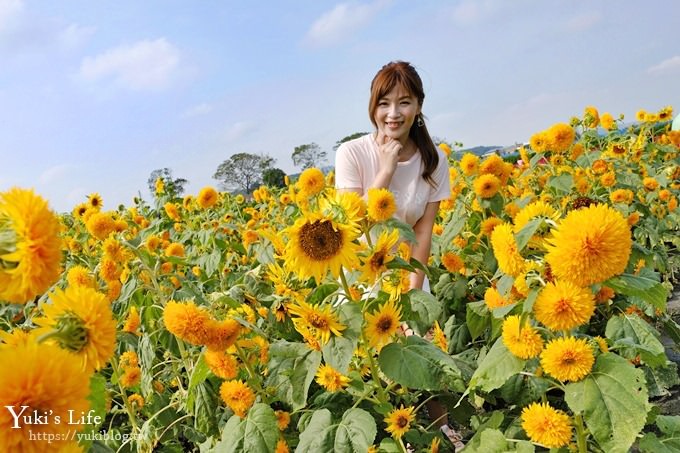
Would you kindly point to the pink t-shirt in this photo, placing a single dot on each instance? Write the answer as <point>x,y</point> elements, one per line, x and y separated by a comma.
<point>357,164</point>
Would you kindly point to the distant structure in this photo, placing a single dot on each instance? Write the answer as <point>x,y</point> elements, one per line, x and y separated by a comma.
<point>505,150</point>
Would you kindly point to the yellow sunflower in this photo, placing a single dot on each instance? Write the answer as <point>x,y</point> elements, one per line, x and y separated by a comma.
<point>506,251</point>
<point>95,201</point>
<point>100,225</point>
<point>318,320</point>
<point>47,379</point>
<point>331,379</point>
<point>399,421</point>
<point>492,165</point>
<point>221,363</point>
<point>562,305</point>
<point>439,338</point>
<point>568,358</point>
<point>220,335</point>
<point>535,210</point>
<point>175,249</point>
<point>469,164</point>
<point>207,197</point>
<point>376,263</point>
<point>589,245</point>
<point>282,419</point>
<point>453,263</point>
<point>187,321</point>
<point>132,322</point>
<point>79,276</point>
<point>539,142</point>
<point>607,121</point>
<point>80,319</point>
<point>493,299</point>
<point>621,196</point>
<point>591,117</point>
<point>318,244</point>
<point>522,341</point>
<point>172,211</point>
<point>381,204</point>
<point>488,225</point>
<point>30,248</point>
<point>311,182</point>
<point>486,185</point>
<point>238,396</point>
<point>546,425</point>
<point>352,204</point>
<point>382,324</point>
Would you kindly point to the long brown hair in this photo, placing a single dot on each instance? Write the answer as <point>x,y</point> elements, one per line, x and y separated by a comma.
<point>402,74</point>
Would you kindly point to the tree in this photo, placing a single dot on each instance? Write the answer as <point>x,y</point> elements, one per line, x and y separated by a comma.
<point>172,186</point>
<point>309,155</point>
<point>274,177</point>
<point>348,138</point>
<point>243,171</point>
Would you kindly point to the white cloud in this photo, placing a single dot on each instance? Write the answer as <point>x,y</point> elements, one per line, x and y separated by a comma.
<point>145,65</point>
<point>342,21</point>
<point>583,21</point>
<point>74,35</point>
<point>54,174</point>
<point>668,66</point>
<point>9,10</point>
<point>197,110</point>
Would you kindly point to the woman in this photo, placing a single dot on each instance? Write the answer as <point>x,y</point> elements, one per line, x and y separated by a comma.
<point>400,156</point>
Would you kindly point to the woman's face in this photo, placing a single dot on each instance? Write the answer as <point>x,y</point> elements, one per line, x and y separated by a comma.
<point>395,114</point>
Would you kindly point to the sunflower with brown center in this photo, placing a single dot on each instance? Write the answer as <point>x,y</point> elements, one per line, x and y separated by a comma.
<point>376,263</point>
<point>318,244</point>
<point>317,320</point>
<point>399,421</point>
<point>382,324</point>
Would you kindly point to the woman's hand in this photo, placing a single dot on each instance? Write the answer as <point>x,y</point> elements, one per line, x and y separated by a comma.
<point>388,154</point>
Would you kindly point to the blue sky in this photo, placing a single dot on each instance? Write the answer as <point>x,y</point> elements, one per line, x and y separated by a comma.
<point>94,95</point>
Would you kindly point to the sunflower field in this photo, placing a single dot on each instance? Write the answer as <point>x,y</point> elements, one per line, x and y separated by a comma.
<point>282,321</point>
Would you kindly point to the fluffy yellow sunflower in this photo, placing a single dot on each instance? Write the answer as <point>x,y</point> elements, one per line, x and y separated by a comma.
<point>486,185</point>
<point>535,210</point>
<point>560,137</point>
<point>621,196</point>
<point>381,204</point>
<point>506,251</point>
<point>439,338</point>
<point>453,263</point>
<point>352,205</point>
<point>318,244</point>
<point>539,142</point>
<point>568,358</point>
<point>47,379</point>
<point>187,321</point>
<point>282,419</point>
<point>493,299</point>
<point>546,425</point>
<point>172,211</point>
<point>220,335</point>
<point>311,182</point>
<point>175,249</point>
<point>492,165</point>
<point>563,305</point>
<point>79,276</point>
<point>469,164</point>
<point>589,245</point>
<point>521,340</point>
<point>30,248</point>
<point>331,379</point>
<point>376,263</point>
<point>207,197</point>
<point>133,321</point>
<point>80,320</point>
<point>607,121</point>
<point>488,225</point>
<point>318,320</point>
<point>399,421</point>
<point>382,324</point>
<point>221,363</point>
<point>238,396</point>
<point>100,225</point>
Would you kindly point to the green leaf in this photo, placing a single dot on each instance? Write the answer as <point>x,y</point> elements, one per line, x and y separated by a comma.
<point>490,441</point>
<point>200,372</point>
<point>321,292</point>
<point>660,379</point>
<point>257,432</point>
<point>454,226</point>
<point>425,306</point>
<point>416,364</point>
<point>292,367</point>
<point>527,232</point>
<point>405,230</point>
<point>496,367</point>
<point>669,441</point>
<point>634,336</point>
<point>338,351</point>
<point>562,183</point>
<point>205,400</point>
<point>644,287</point>
<point>475,318</point>
<point>613,401</point>
<point>353,434</point>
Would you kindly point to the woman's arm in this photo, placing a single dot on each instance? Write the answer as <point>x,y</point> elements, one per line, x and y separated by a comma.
<point>421,249</point>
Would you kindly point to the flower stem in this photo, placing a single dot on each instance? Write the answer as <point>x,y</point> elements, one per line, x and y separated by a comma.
<point>580,434</point>
<point>345,286</point>
<point>123,394</point>
<point>382,396</point>
<point>253,377</point>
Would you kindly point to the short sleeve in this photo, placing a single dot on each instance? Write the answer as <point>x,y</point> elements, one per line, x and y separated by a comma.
<point>441,177</point>
<point>347,174</point>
